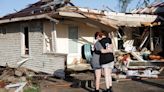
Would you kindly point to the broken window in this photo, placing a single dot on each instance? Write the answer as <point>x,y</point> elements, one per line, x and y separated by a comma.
<point>25,41</point>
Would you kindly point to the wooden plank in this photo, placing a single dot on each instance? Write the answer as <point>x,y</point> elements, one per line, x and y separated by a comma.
<point>52,19</point>
<point>71,14</point>
<point>150,23</point>
<point>137,56</point>
<point>130,19</point>
<point>113,41</point>
<point>23,18</point>
<point>79,67</point>
<point>19,86</point>
<point>151,40</point>
<point>151,63</point>
<point>143,42</point>
<point>29,18</point>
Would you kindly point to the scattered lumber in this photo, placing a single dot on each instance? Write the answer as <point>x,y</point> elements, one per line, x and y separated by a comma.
<point>19,86</point>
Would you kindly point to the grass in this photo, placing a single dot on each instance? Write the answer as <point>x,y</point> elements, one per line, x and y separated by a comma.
<point>32,89</point>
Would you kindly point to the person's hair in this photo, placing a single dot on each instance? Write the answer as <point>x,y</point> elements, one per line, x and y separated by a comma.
<point>105,33</point>
<point>100,34</point>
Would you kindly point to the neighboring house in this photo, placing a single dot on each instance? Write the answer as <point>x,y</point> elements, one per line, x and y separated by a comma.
<point>155,9</point>
<point>157,27</point>
<point>47,36</point>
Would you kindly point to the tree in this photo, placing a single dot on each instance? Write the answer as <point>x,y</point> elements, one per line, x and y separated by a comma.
<point>145,3</point>
<point>123,4</point>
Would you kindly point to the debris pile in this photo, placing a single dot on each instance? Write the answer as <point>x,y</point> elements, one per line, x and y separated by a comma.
<point>141,63</point>
<point>140,51</point>
<point>14,79</point>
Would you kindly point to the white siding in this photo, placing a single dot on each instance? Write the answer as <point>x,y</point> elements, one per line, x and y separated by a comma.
<point>85,35</point>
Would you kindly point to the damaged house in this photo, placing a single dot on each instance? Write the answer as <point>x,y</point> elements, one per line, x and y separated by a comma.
<point>143,45</point>
<point>157,39</point>
<point>47,36</point>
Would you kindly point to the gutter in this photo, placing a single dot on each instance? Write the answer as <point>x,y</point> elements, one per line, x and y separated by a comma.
<point>28,18</point>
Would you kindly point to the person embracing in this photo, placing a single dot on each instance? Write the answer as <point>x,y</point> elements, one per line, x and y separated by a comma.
<point>107,59</point>
<point>103,60</point>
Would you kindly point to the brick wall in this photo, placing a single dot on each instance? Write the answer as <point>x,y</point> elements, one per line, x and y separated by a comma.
<point>10,49</point>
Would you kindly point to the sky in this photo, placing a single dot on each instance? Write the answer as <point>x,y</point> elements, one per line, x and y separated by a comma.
<point>11,6</point>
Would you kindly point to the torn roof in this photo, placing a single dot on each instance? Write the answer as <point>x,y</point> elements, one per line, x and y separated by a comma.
<point>40,7</point>
<point>129,20</point>
<point>53,10</point>
<point>32,9</point>
<point>156,8</point>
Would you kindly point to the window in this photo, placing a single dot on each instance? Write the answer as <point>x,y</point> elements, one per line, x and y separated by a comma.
<point>73,38</point>
<point>2,30</point>
<point>25,41</point>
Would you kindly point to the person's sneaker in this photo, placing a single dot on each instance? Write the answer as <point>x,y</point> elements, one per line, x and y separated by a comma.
<point>96,91</point>
<point>109,90</point>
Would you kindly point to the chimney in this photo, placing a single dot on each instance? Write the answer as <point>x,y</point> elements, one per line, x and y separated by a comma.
<point>46,0</point>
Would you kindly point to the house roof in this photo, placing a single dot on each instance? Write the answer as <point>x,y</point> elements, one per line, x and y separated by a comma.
<point>33,9</point>
<point>40,10</point>
<point>130,20</point>
<point>53,12</point>
<point>154,9</point>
